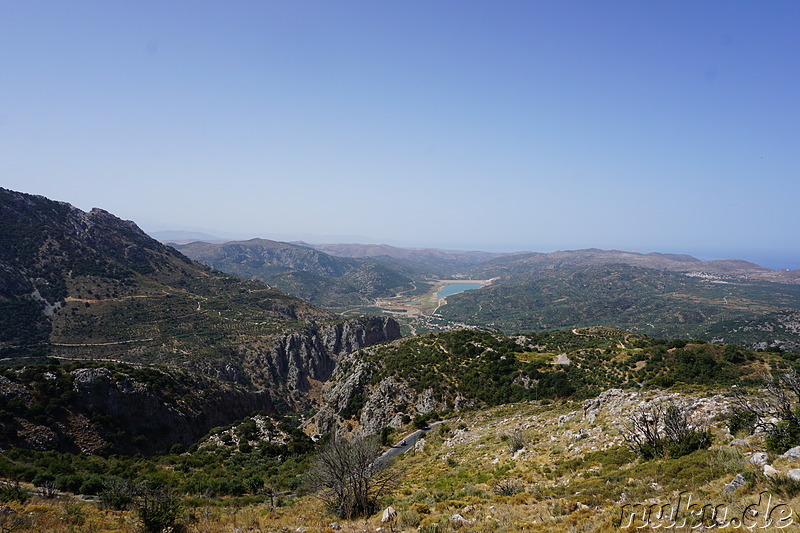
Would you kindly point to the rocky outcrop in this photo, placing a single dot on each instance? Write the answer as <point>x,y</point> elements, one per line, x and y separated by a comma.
<point>619,404</point>
<point>152,418</point>
<point>119,409</point>
<point>299,362</point>
<point>357,399</point>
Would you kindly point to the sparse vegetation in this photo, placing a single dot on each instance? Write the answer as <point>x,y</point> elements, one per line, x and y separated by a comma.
<point>773,409</point>
<point>348,477</point>
<point>663,430</point>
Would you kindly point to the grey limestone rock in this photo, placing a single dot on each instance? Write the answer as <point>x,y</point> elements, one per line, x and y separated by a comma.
<point>792,453</point>
<point>737,482</point>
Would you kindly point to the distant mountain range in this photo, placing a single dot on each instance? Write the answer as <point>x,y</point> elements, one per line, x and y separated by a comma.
<point>733,268</point>
<point>659,294</point>
<point>136,322</point>
<point>177,236</point>
<point>305,272</point>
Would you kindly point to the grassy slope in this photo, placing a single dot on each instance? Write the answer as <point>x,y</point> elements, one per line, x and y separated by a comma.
<point>573,474</point>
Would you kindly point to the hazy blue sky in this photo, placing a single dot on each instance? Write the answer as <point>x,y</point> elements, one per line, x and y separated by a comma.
<point>669,126</point>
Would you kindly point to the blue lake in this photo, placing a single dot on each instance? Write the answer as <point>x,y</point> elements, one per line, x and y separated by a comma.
<point>454,288</point>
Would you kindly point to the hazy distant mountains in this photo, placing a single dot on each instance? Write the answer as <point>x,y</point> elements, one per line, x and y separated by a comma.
<point>305,272</point>
<point>442,263</point>
<point>526,263</point>
<point>658,294</point>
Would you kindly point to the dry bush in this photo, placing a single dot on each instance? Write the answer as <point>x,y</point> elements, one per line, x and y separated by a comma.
<point>349,478</point>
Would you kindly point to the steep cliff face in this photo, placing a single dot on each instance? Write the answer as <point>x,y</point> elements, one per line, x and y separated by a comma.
<point>353,401</point>
<point>115,409</point>
<point>298,363</point>
<point>118,408</point>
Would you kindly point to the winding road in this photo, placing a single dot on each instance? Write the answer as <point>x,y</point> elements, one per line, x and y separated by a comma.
<point>411,439</point>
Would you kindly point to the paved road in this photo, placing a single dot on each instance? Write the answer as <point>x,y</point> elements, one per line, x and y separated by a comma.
<point>410,439</point>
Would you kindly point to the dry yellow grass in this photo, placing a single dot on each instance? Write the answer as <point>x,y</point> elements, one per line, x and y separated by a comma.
<point>573,474</point>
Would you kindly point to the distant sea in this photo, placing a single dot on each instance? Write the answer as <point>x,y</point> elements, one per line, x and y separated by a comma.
<point>777,262</point>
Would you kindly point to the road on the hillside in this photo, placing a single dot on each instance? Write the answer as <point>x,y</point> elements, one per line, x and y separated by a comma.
<point>410,439</point>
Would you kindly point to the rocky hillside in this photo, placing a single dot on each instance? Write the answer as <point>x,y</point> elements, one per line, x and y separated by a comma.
<point>390,385</point>
<point>98,408</point>
<point>88,286</point>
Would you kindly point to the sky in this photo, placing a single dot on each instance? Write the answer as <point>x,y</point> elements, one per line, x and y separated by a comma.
<point>491,125</point>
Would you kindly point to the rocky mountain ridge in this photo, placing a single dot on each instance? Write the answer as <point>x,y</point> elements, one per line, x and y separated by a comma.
<point>88,286</point>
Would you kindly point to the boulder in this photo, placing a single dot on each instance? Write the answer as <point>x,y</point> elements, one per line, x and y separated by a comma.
<point>738,442</point>
<point>770,471</point>
<point>793,474</point>
<point>792,453</point>
<point>389,514</point>
<point>759,459</point>
<point>458,519</point>
<point>737,482</point>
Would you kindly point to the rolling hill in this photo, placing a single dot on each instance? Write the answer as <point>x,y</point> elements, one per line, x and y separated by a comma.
<point>305,272</point>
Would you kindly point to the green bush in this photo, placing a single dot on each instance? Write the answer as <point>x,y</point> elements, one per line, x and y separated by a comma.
<point>742,422</point>
<point>664,431</point>
<point>158,509</point>
<point>117,494</point>
<point>785,435</point>
<point>14,492</point>
<point>408,518</point>
<point>688,443</point>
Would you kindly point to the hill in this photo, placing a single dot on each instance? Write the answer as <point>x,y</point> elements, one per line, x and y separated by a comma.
<point>461,370</point>
<point>314,276</point>
<point>78,285</point>
<point>652,301</point>
<point>557,458</point>
<point>667,295</point>
<point>430,261</point>
<point>527,264</point>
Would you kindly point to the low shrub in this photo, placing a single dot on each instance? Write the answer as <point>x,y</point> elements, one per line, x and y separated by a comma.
<point>158,509</point>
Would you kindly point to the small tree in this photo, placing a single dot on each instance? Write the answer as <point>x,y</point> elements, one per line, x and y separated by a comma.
<point>662,430</point>
<point>774,411</point>
<point>158,509</point>
<point>349,477</point>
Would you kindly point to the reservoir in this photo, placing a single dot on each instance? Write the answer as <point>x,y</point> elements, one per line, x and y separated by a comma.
<point>454,288</point>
